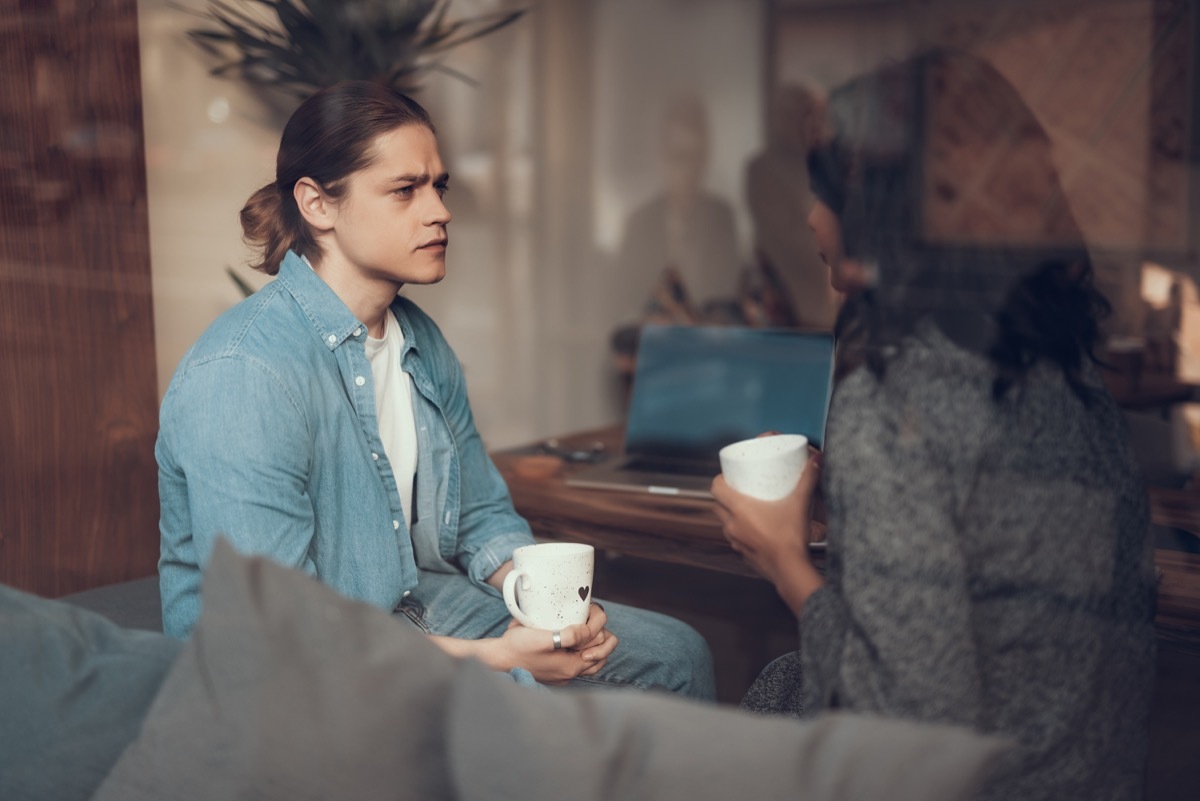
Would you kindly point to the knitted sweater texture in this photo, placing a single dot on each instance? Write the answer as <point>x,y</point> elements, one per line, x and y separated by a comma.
<point>988,565</point>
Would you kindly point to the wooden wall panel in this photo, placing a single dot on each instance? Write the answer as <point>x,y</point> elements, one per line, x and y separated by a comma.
<point>78,395</point>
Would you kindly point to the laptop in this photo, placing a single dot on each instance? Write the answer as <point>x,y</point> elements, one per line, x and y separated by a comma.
<point>699,388</point>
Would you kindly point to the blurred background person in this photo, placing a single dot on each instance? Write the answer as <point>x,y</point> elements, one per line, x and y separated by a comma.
<point>679,253</point>
<point>778,195</point>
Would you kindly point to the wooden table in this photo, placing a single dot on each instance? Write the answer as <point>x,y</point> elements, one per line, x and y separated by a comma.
<point>1153,391</point>
<point>661,528</point>
<point>685,531</point>
<point>1139,382</point>
<point>1179,582</point>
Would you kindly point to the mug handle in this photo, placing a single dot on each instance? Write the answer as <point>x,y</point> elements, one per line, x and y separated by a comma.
<point>510,597</point>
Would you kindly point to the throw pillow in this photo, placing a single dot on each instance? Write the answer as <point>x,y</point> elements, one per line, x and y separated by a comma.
<point>74,688</point>
<point>508,744</point>
<point>286,690</point>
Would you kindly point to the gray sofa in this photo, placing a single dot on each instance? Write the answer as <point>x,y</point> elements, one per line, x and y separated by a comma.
<point>286,690</point>
<point>130,604</point>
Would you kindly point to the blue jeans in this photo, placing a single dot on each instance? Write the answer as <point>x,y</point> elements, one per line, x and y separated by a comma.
<point>655,651</point>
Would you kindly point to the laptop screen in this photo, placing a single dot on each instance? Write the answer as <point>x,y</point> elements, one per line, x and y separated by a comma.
<point>699,388</point>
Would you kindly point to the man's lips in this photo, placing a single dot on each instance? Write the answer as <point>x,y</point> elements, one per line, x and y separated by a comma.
<point>436,243</point>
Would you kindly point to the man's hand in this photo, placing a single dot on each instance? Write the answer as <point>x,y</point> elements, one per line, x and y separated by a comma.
<point>585,649</point>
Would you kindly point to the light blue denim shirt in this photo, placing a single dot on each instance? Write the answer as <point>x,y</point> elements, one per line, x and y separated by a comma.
<point>268,436</point>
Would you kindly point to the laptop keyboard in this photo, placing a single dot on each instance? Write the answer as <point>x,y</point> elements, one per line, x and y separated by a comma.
<point>644,465</point>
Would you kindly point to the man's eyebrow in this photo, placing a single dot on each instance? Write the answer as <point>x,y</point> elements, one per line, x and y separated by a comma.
<point>419,178</point>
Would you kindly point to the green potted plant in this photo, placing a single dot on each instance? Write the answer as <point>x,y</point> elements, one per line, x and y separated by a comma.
<point>289,49</point>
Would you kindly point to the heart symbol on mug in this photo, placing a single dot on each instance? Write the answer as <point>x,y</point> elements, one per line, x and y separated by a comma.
<point>583,593</point>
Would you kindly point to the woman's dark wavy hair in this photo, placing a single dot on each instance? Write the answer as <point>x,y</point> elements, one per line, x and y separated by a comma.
<point>942,180</point>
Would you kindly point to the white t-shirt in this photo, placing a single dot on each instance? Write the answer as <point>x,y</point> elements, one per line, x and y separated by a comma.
<point>394,409</point>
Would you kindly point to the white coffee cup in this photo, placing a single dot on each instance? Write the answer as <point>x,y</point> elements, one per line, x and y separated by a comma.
<point>550,585</point>
<point>766,468</point>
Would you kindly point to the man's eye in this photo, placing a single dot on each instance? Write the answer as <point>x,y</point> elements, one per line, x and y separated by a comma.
<point>442,189</point>
<point>404,191</point>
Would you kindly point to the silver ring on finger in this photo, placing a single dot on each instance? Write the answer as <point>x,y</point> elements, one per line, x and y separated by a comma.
<point>556,638</point>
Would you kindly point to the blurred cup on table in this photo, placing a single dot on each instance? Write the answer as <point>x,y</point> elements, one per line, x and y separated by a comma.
<point>766,468</point>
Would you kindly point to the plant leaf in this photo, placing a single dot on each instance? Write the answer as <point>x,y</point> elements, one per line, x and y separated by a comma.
<point>246,289</point>
<point>438,66</point>
<point>463,31</point>
<point>300,46</point>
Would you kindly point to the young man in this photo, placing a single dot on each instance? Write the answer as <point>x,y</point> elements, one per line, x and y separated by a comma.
<point>324,421</point>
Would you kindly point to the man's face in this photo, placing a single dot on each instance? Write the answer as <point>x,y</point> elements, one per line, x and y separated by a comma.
<point>391,222</point>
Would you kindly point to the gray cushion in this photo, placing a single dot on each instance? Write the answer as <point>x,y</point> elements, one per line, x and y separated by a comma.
<point>131,604</point>
<point>508,744</point>
<point>74,688</point>
<point>286,690</point>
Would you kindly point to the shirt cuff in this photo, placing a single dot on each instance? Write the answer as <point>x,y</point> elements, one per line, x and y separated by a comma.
<point>488,559</point>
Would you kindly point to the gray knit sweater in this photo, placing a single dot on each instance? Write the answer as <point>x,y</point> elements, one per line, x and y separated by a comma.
<point>988,565</point>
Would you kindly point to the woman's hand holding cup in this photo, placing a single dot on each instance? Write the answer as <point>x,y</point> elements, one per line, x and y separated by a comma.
<point>764,502</point>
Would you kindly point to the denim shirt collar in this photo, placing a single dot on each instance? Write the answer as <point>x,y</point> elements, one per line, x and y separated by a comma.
<point>332,320</point>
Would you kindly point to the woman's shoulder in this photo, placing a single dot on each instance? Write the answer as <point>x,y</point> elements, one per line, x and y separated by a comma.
<point>930,402</point>
<point>925,370</point>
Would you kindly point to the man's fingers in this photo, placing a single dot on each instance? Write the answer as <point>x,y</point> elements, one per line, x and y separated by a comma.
<point>594,668</point>
<point>574,636</point>
<point>601,652</point>
<point>597,640</point>
<point>597,618</point>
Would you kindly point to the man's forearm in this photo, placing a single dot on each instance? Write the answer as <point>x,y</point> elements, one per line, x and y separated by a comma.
<point>486,650</point>
<point>497,578</point>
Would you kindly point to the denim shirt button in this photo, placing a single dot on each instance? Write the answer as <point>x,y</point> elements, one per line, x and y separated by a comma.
<point>358,332</point>
<point>332,339</point>
<point>360,380</point>
<point>406,593</point>
<point>395,525</point>
<point>375,456</point>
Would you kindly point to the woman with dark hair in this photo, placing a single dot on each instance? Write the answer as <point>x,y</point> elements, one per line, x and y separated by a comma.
<point>987,557</point>
<point>324,421</point>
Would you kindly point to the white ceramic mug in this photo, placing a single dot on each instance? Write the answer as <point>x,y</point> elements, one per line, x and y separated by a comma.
<point>766,468</point>
<point>550,585</point>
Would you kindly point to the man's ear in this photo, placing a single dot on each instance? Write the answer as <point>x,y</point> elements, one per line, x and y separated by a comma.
<point>318,209</point>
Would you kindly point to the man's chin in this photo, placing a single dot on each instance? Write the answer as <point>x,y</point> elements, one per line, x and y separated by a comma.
<point>431,277</point>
